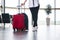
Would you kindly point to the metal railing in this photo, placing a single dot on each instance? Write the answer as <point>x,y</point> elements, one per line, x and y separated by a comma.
<point>28,8</point>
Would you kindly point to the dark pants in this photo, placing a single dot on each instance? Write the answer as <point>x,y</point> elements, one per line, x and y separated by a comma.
<point>34,12</point>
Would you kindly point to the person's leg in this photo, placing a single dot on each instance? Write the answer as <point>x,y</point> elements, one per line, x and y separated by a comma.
<point>33,15</point>
<point>32,12</point>
<point>36,16</point>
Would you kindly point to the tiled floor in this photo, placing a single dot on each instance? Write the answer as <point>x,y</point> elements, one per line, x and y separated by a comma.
<point>43,33</point>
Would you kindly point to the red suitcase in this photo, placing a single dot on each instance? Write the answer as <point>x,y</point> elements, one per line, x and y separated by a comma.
<point>18,22</point>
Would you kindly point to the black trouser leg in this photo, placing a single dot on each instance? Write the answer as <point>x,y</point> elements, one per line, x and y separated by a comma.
<point>34,12</point>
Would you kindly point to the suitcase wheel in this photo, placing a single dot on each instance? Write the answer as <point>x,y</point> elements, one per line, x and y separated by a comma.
<point>14,29</point>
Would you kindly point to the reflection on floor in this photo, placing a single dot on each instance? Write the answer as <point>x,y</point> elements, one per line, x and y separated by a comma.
<point>43,33</point>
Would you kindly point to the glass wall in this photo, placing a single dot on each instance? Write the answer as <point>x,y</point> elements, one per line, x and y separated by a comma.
<point>0,8</point>
<point>42,14</point>
<point>11,3</point>
<point>58,17</point>
<point>14,3</point>
<point>57,3</point>
<point>0,2</point>
<point>58,12</point>
<point>11,8</point>
<point>44,3</point>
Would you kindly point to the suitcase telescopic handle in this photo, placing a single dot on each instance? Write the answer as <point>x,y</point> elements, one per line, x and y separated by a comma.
<point>20,8</point>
